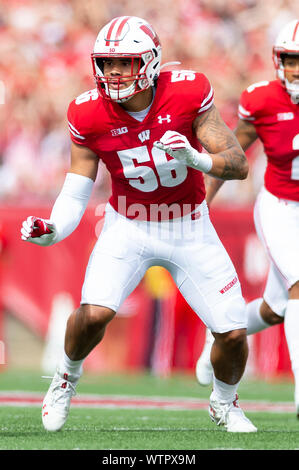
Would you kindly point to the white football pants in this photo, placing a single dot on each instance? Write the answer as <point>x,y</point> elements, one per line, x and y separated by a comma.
<point>277,225</point>
<point>189,249</point>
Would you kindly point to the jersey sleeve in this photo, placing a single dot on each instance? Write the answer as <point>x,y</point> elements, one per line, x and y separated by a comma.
<point>207,94</point>
<point>78,134</point>
<point>251,101</point>
<point>80,117</point>
<point>246,110</point>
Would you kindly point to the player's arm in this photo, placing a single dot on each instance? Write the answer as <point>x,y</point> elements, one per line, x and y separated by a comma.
<point>70,204</point>
<point>246,134</point>
<point>83,161</point>
<point>228,158</point>
<point>212,186</point>
<point>225,158</point>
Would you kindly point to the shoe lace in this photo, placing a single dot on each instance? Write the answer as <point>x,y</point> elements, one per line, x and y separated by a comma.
<point>57,387</point>
<point>223,412</point>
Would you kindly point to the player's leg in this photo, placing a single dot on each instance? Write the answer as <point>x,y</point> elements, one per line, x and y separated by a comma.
<point>228,358</point>
<point>260,316</point>
<point>204,368</point>
<point>85,329</point>
<point>207,279</point>
<point>229,355</point>
<point>277,225</point>
<point>291,327</point>
<point>261,313</point>
<point>113,272</point>
<point>269,310</point>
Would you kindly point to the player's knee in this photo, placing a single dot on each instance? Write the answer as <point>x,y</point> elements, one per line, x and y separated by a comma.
<point>232,340</point>
<point>269,316</point>
<point>96,316</point>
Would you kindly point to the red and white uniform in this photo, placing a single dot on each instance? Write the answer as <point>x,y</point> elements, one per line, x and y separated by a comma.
<point>141,173</point>
<point>143,176</point>
<point>276,120</point>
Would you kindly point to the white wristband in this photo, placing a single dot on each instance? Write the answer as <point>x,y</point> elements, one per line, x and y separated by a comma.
<point>70,205</point>
<point>201,161</point>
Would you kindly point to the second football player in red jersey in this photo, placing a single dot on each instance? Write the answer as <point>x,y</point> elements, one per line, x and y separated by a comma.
<point>269,110</point>
<point>148,128</point>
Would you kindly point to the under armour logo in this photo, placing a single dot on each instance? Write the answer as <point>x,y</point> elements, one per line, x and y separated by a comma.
<point>167,119</point>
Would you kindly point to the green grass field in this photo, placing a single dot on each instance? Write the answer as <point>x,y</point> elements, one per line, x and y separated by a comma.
<point>147,429</point>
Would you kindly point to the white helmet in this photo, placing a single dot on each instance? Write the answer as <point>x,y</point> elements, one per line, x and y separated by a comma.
<point>287,42</point>
<point>127,37</point>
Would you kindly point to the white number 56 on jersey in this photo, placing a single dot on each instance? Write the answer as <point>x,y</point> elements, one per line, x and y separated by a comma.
<point>169,173</point>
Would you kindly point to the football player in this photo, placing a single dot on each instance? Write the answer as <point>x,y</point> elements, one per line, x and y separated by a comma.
<point>269,110</point>
<point>149,129</point>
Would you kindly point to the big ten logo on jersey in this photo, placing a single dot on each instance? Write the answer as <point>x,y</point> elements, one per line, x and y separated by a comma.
<point>285,116</point>
<point>119,131</point>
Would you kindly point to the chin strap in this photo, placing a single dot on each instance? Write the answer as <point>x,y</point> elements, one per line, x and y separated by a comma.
<point>121,96</point>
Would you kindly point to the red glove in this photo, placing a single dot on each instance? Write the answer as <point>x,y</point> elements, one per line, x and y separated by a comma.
<point>38,231</point>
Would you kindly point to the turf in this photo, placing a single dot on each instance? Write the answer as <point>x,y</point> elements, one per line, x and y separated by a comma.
<point>146,429</point>
<point>143,429</point>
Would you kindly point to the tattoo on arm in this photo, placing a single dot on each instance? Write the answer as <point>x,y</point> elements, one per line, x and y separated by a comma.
<point>245,133</point>
<point>233,164</point>
<point>217,138</point>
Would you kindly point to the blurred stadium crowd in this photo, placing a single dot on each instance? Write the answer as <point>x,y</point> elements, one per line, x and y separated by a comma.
<point>45,62</point>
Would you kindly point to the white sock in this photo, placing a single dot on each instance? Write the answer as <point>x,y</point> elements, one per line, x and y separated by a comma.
<point>254,319</point>
<point>224,392</point>
<point>206,352</point>
<point>291,328</point>
<point>72,368</point>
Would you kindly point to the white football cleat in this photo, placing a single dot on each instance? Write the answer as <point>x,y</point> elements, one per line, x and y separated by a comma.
<point>230,416</point>
<point>57,401</point>
<point>204,369</point>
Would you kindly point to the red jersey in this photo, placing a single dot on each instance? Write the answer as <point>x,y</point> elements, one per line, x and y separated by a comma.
<point>276,120</point>
<point>144,177</point>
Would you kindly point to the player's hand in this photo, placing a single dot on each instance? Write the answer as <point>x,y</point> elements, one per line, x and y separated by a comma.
<point>177,146</point>
<point>39,231</point>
